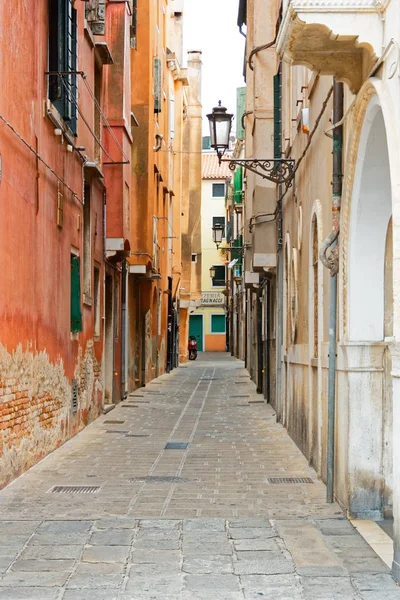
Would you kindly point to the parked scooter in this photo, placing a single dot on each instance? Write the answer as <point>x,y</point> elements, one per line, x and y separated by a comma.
<point>192,348</point>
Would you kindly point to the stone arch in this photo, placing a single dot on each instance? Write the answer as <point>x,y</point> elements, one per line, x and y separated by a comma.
<point>366,213</point>
<point>371,209</point>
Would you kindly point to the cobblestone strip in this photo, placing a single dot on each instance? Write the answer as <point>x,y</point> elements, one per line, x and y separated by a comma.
<point>183,460</point>
<point>161,453</point>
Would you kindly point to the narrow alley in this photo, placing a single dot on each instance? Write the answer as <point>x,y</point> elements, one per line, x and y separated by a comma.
<point>182,492</point>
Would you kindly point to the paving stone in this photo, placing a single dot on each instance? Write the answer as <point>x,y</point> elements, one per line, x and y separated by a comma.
<point>98,575</point>
<point>34,579</point>
<point>18,527</point>
<point>218,584</point>
<point>251,545</point>
<point>52,552</point>
<point>251,533</point>
<point>155,557</point>
<point>29,593</point>
<point>370,582</point>
<point>157,544</point>
<point>250,523</point>
<point>208,564</point>
<point>111,537</point>
<point>106,554</point>
<point>262,563</point>
<point>201,548</point>
<point>328,588</point>
<point>87,594</point>
<point>34,565</point>
<point>204,525</point>
<point>217,518</point>
<point>159,524</point>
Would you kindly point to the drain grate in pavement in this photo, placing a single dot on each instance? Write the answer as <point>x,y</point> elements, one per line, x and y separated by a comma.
<point>176,446</point>
<point>130,406</point>
<point>114,422</point>
<point>240,381</point>
<point>75,489</point>
<point>159,479</point>
<point>243,405</point>
<point>283,480</point>
<point>137,435</point>
<point>239,396</point>
<point>256,402</point>
<point>120,431</point>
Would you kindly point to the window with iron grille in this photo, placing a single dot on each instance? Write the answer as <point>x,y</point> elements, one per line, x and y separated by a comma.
<point>63,85</point>
<point>76,313</point>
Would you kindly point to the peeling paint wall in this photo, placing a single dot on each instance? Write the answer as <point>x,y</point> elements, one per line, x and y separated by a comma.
<point>36,413</point>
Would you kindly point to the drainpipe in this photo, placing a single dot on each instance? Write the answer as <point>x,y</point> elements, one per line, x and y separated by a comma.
<point>260,349</point>
<point>331,262</point>
<point>123,329</point>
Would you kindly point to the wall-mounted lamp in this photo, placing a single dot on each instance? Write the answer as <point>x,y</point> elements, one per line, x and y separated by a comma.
<point>212,272</point>
<point>277,170</point>
<point>218,232</point>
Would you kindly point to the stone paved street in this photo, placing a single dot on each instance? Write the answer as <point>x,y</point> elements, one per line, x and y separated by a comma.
<point>199,520</point>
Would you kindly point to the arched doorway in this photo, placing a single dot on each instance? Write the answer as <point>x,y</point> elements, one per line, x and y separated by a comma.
<point>369,304</point>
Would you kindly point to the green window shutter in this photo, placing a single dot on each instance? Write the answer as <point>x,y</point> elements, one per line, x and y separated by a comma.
<point>157,85</point>
<point>238,185</point>
<point>237,249</point>
<point>76,314</point>
<point>277,116</point>
<point>240,108</point>
<point>218,323</point>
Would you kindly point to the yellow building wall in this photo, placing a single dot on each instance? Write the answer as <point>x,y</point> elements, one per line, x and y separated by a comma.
<point>212,342</point>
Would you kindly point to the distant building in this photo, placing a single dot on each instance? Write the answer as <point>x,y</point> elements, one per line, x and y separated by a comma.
<point>209,322</point>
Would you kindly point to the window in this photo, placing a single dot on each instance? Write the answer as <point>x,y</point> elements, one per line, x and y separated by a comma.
<point>76,314</point>
<point>194,258</point>
<point>218,190</point>
<point>134,25</point>
<point>219,278</point>
<point>63,60</point>
<point>157,85</point>
<point>206,142</point>
<point>218,323</point>
<point>87,244</point>
<point>96,301</point>
<point>219,221</point>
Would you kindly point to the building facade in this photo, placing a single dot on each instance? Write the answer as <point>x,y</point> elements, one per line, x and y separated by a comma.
<point>64,150</point>
<point>165,193</point>
<point>322,79</point>
<point>208,322</point>
<point>100,201</point>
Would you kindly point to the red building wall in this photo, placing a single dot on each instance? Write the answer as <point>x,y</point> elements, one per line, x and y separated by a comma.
<point>39,356</point>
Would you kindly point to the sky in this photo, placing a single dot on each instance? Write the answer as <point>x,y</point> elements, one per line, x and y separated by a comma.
<point>211,26</point>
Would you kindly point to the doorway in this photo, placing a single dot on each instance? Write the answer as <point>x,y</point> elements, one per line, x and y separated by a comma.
<point>196,329</point>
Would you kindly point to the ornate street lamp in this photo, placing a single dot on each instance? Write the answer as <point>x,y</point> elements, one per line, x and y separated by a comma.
<point>212,272</point>
<point>218,232</point>
<point>277,170</point>
<point>220,128</point>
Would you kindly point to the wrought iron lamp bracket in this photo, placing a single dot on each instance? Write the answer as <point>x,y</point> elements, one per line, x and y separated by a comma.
<point>276,170</point>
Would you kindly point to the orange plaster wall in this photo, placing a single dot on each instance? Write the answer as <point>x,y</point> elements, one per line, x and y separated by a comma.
<point>215,343</point>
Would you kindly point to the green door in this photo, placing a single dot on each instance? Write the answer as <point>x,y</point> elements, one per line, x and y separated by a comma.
<point>196,329</point>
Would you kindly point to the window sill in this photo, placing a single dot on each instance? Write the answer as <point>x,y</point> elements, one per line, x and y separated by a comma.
<point>88,300</point>
<point>74,336</point>
<point>59,122</point>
